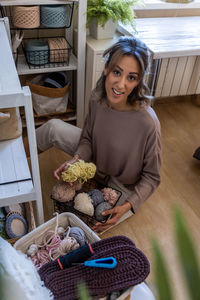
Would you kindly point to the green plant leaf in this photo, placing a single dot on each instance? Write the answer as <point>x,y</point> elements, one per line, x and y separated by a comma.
<point>117,10</point>
<point>161,274</point>
<point>83,293</point>
<point>187,255</point>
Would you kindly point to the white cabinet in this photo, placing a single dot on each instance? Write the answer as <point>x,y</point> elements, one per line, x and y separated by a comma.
<point>17,185</point>
<point>76,63</point>
<point>95,63</point>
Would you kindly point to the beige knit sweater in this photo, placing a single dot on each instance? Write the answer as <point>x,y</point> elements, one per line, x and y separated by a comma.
<point>126,145</point>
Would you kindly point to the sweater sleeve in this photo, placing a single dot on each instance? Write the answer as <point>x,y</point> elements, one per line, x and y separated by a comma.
<point>150,175</point>
<point>84,149</point>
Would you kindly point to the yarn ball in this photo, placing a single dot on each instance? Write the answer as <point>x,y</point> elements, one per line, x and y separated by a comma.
<point>63,192</point>
<point>83,203</point>
<point>110,195</point>
<point>60,230</point>
<point>78,234</point>
<point>79,170</point>
<point>32,250</point>
<point>67,245</point>
<point>96,196</point>
<point>77,185</point>
<point>99,209</point>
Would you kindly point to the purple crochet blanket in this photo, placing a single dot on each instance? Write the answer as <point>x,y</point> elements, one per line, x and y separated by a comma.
<point>132,268</point>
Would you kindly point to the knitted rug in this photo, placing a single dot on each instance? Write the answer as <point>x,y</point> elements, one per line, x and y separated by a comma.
<point>132,268</point>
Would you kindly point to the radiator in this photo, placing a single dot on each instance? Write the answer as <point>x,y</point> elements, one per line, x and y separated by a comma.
<point>178,76</point>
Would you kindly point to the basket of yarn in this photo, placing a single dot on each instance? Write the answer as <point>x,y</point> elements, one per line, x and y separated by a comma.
<point>80,194</point>
<point>57,237</point>
<point>87,201</point>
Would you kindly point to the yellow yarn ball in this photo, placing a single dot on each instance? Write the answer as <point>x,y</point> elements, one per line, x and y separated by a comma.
<point>80,170</point>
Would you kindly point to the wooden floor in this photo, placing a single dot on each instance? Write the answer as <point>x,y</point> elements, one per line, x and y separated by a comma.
<point>180,123</point>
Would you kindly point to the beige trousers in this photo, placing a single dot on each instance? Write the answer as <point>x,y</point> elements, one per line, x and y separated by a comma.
<point>59,134</point>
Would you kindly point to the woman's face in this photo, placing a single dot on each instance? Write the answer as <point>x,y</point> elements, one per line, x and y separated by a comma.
<point>121,81</point>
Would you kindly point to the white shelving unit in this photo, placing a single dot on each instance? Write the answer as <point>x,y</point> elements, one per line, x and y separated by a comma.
<point>17,185</point>
<point>76,63</point>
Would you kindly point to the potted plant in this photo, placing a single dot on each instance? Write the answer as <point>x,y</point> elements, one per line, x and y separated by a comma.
<point>103,16</point>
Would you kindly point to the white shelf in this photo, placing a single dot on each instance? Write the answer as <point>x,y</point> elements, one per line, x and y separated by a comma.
<point>23,68</point>
<point>76,63</point>
<point>16,183</point>
<point>35,2</point>
<point>13,169</point>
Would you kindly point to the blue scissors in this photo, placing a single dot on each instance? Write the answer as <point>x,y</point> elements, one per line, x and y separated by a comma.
<point>107,262</point>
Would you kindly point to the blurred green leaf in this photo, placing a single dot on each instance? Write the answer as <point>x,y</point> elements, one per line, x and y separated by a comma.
<point>187,255</point>
<point>161,274</point>
<point>83,293</point>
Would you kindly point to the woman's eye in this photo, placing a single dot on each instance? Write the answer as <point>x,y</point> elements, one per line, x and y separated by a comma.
<point>132,78</point>
<point>116,72</point>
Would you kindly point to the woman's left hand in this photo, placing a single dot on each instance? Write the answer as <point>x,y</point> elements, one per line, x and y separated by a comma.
<point>116,214</point>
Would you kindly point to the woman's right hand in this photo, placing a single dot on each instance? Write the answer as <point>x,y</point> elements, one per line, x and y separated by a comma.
<point>65,166</point>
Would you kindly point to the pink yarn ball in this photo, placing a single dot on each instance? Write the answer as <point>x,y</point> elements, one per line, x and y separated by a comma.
<point>110,195</point>
<point>63,192</point>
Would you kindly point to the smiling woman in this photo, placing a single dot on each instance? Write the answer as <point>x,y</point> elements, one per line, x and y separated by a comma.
<point>121,134</point>
<point>121,81</point>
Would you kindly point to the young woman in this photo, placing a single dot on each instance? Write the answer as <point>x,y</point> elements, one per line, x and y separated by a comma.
<point>121,134</point>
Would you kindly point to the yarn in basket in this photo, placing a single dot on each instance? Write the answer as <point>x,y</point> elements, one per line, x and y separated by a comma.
<point>96,196</point>
<point>99,209</point>
<point>78,234</point>
<point>110,195</point>
<point>63,192</point>
<point>83,203</point>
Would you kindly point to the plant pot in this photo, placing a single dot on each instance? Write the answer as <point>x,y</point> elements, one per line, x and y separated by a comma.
<point>98,32</point>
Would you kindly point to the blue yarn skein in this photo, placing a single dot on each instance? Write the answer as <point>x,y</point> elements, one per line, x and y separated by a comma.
<point>96,196</point>
<point>99,209</point>
<point>78,234</point>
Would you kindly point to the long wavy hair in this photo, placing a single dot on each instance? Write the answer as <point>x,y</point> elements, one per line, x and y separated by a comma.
<point>129,46</point>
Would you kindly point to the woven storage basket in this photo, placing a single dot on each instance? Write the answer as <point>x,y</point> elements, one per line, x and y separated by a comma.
<point>48,100</point>
<point>59,50</point>
<point>64,220</point>
<point>37,52</point>
<point>26,16</point>
<point>29,218</point>
<point>62,207</point>
<point>53,16</point>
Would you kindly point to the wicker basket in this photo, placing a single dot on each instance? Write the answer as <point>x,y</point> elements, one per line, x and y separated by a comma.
<point>53,16</point>
<point>26,16</point>
<point>62,207</point>
<point>29,218</point>
<point>59,49</point>
<point>37,52</point>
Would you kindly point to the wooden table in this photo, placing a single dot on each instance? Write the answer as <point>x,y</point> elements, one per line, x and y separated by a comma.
<point>175,46</point>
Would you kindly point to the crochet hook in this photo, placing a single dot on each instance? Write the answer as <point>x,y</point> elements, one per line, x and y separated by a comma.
<point>106,262</point>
